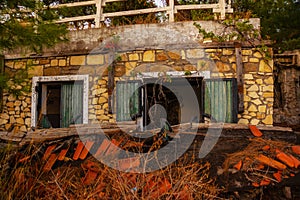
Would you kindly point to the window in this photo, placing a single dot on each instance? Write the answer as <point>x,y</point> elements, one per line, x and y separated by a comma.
<point>220,99</point>
<point>217,98</point>
<point>59,101</point>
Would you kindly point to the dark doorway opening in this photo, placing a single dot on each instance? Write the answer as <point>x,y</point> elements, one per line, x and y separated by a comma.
<point>59,104</point>
<point>164,100</point>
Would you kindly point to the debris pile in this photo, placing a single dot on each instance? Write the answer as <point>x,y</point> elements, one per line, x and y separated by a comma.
<point>264,162</point>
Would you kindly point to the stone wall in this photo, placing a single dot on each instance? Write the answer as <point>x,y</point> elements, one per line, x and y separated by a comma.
<point>220,62</point>
<point>287,107</point>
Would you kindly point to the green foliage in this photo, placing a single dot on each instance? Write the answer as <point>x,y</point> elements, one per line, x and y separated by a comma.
<point>25,24</point>
<point>16,84</point>
<point>194,15</point>
<point>131,5</point>
<point>280,20</point>
<point>234,30</point>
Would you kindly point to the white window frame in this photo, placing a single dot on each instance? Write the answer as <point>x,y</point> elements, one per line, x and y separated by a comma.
<point>41,79</point>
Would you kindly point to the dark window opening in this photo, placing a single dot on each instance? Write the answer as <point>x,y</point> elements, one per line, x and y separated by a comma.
<point>216,98</point>
<point>59,104</point>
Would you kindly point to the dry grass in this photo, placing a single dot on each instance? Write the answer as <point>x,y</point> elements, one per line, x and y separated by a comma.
<point>184,179</point>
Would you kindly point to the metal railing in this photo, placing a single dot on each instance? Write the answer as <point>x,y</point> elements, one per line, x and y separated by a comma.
<point>222,7</point>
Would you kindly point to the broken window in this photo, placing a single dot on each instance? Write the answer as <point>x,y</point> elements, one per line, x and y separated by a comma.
<point>59,101</point>
<point>216,98</point>
<point>60,104</point>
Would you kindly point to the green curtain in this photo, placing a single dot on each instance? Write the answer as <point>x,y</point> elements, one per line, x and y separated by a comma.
<point>71,103</point>
<point>220,99</point>
<point>128,100</point>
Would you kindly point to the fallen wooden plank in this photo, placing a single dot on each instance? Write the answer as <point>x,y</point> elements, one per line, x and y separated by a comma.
<point>102,149</point>
<point>52,159</point>
<point>255,131</point>
<point>78,150</point>
<point>86,149</point>
<point>270,162</point>
<point>48,151</point>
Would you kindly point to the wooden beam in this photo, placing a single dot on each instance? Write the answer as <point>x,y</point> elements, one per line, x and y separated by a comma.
<point>73,19</point>
<point>99,12</point>
<point>239,76</point>
<point>222,8</point>
<point>171,10</point>
<point>2,70</point>
<point>75,4</point>
<point>135,12</point>
<point>196,6</point>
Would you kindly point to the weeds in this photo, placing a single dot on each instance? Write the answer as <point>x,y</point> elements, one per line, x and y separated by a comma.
<point>22,177</point>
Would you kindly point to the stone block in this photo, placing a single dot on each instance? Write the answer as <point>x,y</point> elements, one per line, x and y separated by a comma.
<point>189,68</point>
<point>99,112</point>
<point>268,88</point>
<point>232,59</point>
<point>243,121</point>
<point>248,76</point>
<point>20,121</point>
<point>98,91</point>
<point>28,122</point>
<point>254,121</point>
<point>95,59</point>
<point>36,70</point>
<point>245,59</point>
<point>19,65</point>
<point>261,115</point>
<point>268,120</point>
<point>254,60</point>
<point>124,58</point>
<point>222,67</point>
<point>23,129</point>
<point>3,121</point>
<point>269,81</point>
<point>103,117</point>
<point>250,67</point>
<point>227,52</point>
<point>268,94</point>
<point>95,101</point>
<point>62,63</point>
<point>130,65</point>
<point>257,102</point>
<point>149,56</point>
<point>262,108</point>
<point>259,81</point>
<point>195,53</point>
<point>183,56</point>
<point>174,55</point>
<point>246,52</point>
<point>252,108</point>
<point>102,100</point>
<point>257,54</point>
<point>10,104</point>
<point>44,61</point>
<point>17,103</point>
<point>102,82</point>
<point>87,70</point>
<point>210,50</point>
<point>161,56</point>
<point>9,64</point>
<point>54,62</point>
<point>4,116</point>
<point>52,71</point>
<point>253,88</point>
<point>264,67</point>
<point>77,60</point>
<point>120,70</point>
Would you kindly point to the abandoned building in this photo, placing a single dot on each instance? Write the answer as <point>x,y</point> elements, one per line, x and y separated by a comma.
<point>85,81</point>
